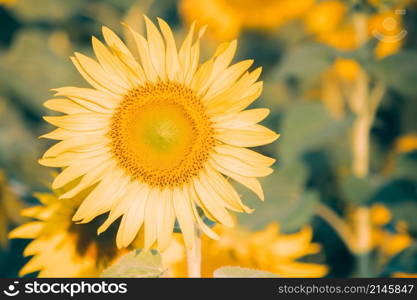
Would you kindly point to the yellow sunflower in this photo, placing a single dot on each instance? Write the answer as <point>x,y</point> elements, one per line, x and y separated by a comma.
<point>332,24</point>
<point>267,250</point>
<point>387,242</point>
<point>155,136</point>
<point>61,248</point>
<point>227,18</point>
<point>10,207</point>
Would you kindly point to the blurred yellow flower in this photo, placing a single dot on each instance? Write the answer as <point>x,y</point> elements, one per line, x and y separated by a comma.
<point>267,250</point>
<point>347,69</point>
<point>156,137</point>
<point>330,22</point>
<point>389,243</point>
<point>325,17</point>
<point>327,21</point>
<point>61,248</point>
<point>7,2</point>
<point>406,143</point>
<point>226,18</point>
<point>404,275</point>
<point>10,207</point>
<point>387,27</point>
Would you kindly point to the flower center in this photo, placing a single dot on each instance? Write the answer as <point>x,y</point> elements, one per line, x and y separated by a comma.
<point>161,135</point>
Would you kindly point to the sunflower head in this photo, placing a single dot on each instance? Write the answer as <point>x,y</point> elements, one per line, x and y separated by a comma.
<point>61,248</point>
<point>267,250</point>
<point>155,136</point>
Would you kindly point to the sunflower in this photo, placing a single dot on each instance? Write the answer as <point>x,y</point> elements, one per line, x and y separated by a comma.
<point>331,23</point>
<point>61,248</point>
<point>388,241</point>
<point>268,250</point>
<point>155,136</point>
<point>228,17</point>
<point>10,207</point>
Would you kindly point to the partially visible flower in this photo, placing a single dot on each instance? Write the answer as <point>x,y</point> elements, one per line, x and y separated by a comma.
<point>61,248</point>
<point>325,17</point>
<point>326,21</point>
<point>406,143</point>
<point>226,18</point>
<point>267,250</point>
<point>332,24</point>
<point>387,27</point>
<point>388,242</point>
<point>346,69</point>
<point>7,2</point>
<point>404,275</point>
<point>10,207</point>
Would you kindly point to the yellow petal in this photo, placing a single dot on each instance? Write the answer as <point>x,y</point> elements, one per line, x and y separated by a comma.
<point>250,136</point>
<point>240,119</point>
<point>246,155</point>
<point>156,48</point>
<point>27,231</point>
<point>184,213</point>
<point>101,199</point>
<point>81,95</point>
<point>166,219</point>
<point>171,55</point>
<point>80,122</point>
<point>250,182</point>
<point>237,165</point>
<point>212,202</point>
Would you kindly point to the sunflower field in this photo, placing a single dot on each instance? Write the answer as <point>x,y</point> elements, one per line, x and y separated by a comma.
<point>208,138</point>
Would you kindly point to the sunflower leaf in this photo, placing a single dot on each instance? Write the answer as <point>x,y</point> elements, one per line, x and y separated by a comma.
<point>238,272</point>
<point>136,264</point>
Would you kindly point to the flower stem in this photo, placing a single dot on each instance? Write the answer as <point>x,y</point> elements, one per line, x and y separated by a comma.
<point>194,257</point>
<point>338,224</point>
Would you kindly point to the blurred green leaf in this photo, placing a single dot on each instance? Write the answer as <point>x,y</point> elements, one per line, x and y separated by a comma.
<point>406,211</point>
<point>406,166</point>
<point>286,200</point>
<point>307,126</point>
<point>305,63</point>
<point>41,10</point>
<point>31,68</point>
<point>398,71</point>
<point>136,264</point>
<point>19,147</point>
<point>238,272</point>
<point>405,261</point>
<point>358,190</point>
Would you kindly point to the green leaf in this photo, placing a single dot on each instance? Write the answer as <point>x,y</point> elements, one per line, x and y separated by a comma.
<point>307,126</point>
<point>305,63</point>
<point>405,261</point>
<point>286,200</point>
<point>406,166</point>
<point>406,211</point>
<point>238,272</point>
<point>136,264</point>
<point>31,68</point>
<point>358,190</point>
<point>35,10</point>
<point>398,71</point>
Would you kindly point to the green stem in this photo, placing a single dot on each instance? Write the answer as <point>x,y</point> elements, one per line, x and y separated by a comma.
<point>194,257</point>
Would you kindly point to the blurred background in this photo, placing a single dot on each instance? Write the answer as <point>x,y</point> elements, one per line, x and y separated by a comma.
<point>340,78</point>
